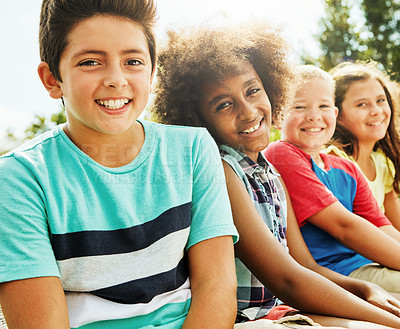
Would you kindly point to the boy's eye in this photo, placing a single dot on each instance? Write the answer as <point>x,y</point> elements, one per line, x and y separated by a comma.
<point>134,62</point>
<point>223,105</point>
<point>381,100</point>
<point>361,104</point>
<point>88,63</point>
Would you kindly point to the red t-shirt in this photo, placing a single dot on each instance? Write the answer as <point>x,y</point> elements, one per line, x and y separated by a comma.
<point>312,189</point>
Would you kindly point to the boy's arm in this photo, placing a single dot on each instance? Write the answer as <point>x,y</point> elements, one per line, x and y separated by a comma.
<point>34,303</point>
<point>283,275</point>
<point>213,284</point>
<point>351,230</point>
<point>363,289</point>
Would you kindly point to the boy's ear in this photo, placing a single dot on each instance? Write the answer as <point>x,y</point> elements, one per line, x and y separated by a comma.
<point>49,81</point>
<point>336,112</point>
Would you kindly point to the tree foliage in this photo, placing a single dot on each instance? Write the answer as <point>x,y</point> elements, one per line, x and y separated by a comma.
<point>39,125</point>
<point>339,40</point>
<point>361,30</point>
<point>383,22</point>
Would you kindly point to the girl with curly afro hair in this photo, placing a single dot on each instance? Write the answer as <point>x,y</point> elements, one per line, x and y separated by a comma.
<point>234,81</point>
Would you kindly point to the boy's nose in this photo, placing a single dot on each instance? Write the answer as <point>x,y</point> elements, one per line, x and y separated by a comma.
<point>115,78</point>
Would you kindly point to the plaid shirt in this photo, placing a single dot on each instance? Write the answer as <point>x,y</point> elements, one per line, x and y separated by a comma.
<point>268,196</point>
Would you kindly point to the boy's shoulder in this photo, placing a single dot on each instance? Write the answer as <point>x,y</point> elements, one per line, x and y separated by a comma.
<point>34,145</point>
<point>183,134</point>
<point>172,128</point>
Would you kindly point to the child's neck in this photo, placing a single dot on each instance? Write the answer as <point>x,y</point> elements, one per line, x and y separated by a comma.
<point>109,150</point>
<point>315,154</point>
<point>253,156</point>
<point>365,161</point>
<point>319,161</point>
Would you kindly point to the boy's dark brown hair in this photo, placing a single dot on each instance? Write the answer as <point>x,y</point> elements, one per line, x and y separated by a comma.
<point>195,56</point>
<point>59,17</point>
<point>344,75</point>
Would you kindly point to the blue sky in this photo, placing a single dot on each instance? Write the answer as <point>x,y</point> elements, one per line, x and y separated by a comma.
<point>22,95</point>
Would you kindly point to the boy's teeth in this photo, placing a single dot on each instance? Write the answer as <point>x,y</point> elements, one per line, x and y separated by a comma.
<point>248,131</point>
<point>113,104</point>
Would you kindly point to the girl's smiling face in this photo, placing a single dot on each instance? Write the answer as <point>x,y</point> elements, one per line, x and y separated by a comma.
<point>366,111</point>
<point>237,111</point>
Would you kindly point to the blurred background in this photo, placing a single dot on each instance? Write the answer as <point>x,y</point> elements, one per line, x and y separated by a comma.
<point>321,32</point>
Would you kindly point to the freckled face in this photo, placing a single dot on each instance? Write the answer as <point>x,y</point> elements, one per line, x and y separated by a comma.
<point>106,72</point>
<point>312,120</point>
<point>237,112</point>
<point>366,111</point>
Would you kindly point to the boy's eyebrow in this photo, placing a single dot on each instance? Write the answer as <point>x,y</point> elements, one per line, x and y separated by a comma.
<point>88,52</point>
<point>103,53</point>
<point>133,51</point>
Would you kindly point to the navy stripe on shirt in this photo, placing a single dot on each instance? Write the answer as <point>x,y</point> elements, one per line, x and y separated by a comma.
<point>144,290</point>
<point>96,243</point>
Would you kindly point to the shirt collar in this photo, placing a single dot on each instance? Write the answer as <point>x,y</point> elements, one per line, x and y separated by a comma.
<point>248,165</point>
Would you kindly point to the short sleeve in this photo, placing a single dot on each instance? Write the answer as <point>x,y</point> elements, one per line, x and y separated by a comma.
<point>211,211</point>
<point>307,193</point>
<point>25,245</point>
<point>387,167</point>
<point>336,151</point>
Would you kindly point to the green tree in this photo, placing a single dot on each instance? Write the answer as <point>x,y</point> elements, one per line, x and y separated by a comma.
<point>275,135</point>
<point>43,124</point>
<point>360,30</point>
<point>383,24</point>
<point>38,126</point>
<point>338,40</point>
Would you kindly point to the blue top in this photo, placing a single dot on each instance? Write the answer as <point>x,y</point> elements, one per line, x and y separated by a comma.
<point>334,255</point>
<point>312,189</point>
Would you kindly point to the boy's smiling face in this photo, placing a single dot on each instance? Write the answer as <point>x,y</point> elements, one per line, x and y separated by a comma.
<point>107,74</point>
<point>237,112</point>
<point>311,122</point>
